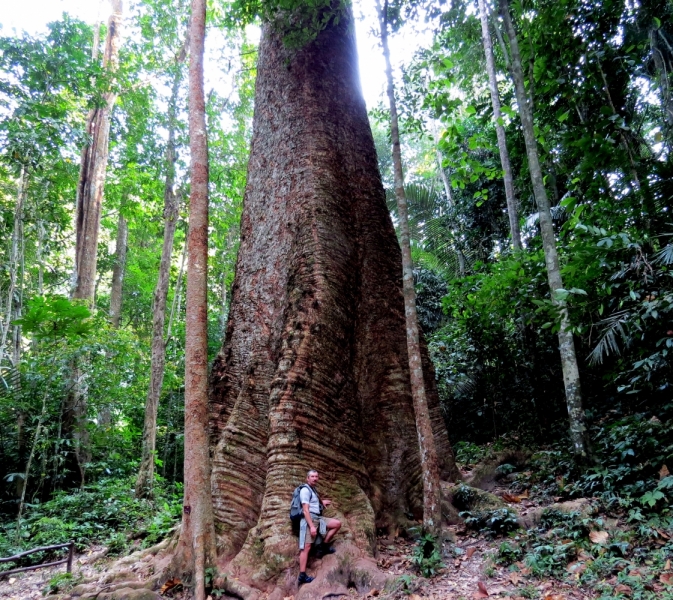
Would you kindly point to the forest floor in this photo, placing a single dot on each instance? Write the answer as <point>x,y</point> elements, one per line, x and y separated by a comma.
<point>573,555</point>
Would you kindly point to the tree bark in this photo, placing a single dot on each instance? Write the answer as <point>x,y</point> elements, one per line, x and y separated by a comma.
<point>87,224</point>
<point>314,370</point>
<point>508,178</point>
<point>14,265</point>
<point>145,479</point>
<point>92,172</point>
<point>118,271</point>
<point>571,377</point>
<point>432,510</point>
<point>196,546</point>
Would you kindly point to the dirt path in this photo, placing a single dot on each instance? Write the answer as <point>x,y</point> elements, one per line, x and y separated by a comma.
<point>469,573</point>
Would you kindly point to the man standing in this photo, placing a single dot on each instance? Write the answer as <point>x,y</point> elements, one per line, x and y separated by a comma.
<point>313,524</point>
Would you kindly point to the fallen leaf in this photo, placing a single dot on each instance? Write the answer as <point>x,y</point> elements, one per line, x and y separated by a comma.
<point>667,566</point>
<point>663,534</point>
<point>482,588</point>
<point>623,589</point>
<point>511,498</point>
<point>470,552</point>
<point>12,580</point>
<point>666,578</point>
<point>554,597</point>
<point>515,578</point>
<point>663,472</point>
<point>373,593</point>
<point>599,537</point>
<point>414,597</point>
<point>524,495</point>
<point>169,585</point>
<point>576,567</point>
<point>288,598</point>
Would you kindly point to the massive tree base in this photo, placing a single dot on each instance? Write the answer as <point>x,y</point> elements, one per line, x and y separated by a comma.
<point>314,370</point>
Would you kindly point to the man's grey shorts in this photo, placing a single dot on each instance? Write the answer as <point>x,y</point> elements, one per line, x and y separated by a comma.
<point>305,537</point>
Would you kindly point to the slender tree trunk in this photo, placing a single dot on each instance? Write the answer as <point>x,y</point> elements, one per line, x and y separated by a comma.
<point>432,510</point>
<point>664,80</point>
<point>196,546</point>
<point>449,197</point>
<point>14,261</point>
<point>40,257</point>
<point>145,479</point>
<point>571,377</point>
<point>175,305</point>
<point>118,271</point>
<point>87,225</point>
<point>314,369</point>
<point>500,129</point>
<point>38,431</point>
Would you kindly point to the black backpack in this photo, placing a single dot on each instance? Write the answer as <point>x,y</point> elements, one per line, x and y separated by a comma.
<point>296,511</point>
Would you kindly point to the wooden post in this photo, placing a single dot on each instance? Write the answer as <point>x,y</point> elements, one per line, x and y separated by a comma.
<point>71,551</point>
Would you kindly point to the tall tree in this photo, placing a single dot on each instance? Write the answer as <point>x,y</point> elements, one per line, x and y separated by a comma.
<point>508,177</point>
<point>196,546</point>
<point>314,371</point>
<point>571,376</point>
<point>145,477</point>
<point>92,170</point>
<point>432,510</point>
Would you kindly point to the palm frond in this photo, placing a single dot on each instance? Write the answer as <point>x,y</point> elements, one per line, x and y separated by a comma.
<point>613,327</point>
<point>430,229</point>
<point>10,380</point>
<point>664,256</point>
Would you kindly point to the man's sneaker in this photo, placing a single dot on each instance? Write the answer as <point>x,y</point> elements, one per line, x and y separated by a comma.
<point>323,550</point>
<point>304,578</point>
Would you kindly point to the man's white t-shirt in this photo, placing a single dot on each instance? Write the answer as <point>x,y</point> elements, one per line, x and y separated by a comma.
<point>308,496</point>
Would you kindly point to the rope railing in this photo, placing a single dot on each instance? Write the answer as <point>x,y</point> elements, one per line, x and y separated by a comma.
<point>68,560</point>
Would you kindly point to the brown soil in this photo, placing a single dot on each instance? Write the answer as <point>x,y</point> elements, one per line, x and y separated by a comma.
<point>468,573</point>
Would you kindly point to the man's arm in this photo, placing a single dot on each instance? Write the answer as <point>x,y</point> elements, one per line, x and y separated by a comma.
<point>309,521</point>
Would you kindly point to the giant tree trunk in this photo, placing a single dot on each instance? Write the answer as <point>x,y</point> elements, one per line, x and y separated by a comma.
<point>432,510</point>
<point>314,370</point>
<point>571,377</point>
<point>500,129</point>
<point>87,224</point>
<point>196,546</point>
<point>145,479</point>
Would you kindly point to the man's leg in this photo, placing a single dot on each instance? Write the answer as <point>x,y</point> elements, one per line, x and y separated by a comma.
<point>333,525</point>
<point>303,557</point>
